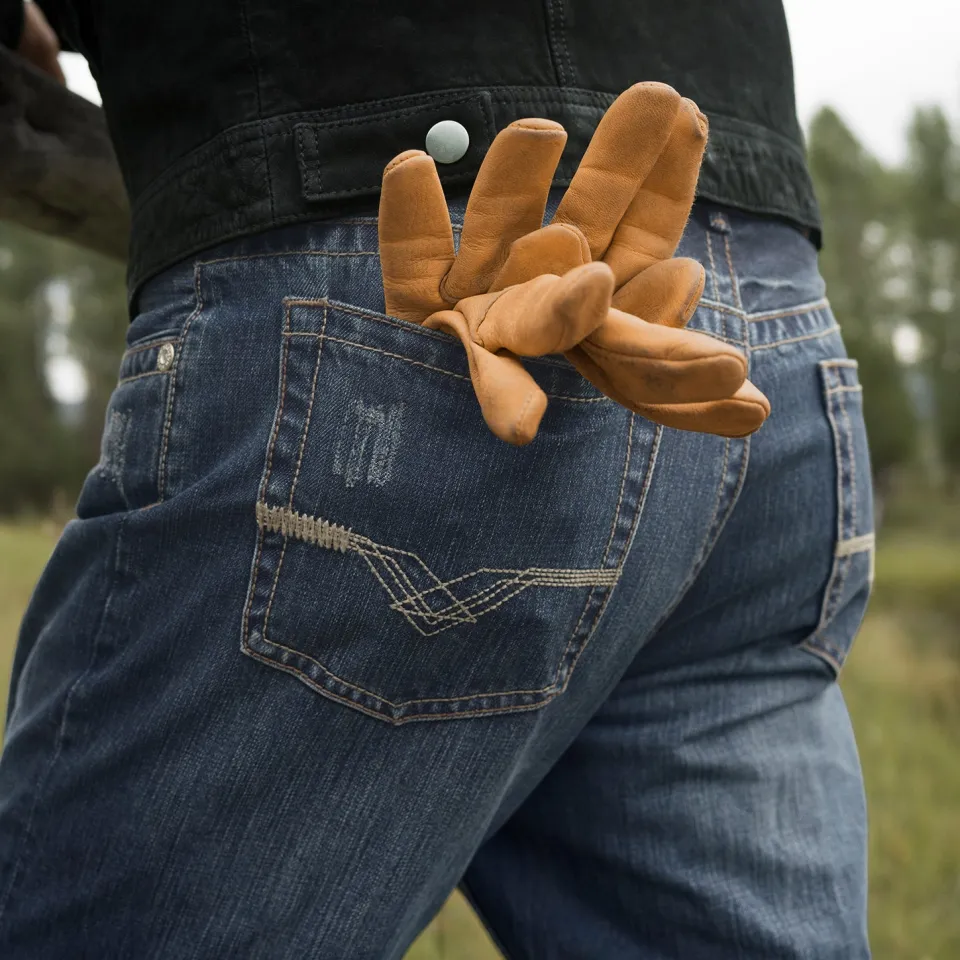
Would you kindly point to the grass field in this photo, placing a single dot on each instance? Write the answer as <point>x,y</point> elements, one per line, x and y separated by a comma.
<point>903,687</point>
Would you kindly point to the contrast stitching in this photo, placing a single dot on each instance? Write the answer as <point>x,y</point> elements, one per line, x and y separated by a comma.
<point>712,536</point>
<point>412,605</point>
<point>852,461</point>
<point>313,393</point>
<point>140,376</point>
<point>734,283</point>
<point>830,364</point>
<point>303,442</point>
<point>410,718</point>
<point>291,253</point>
<point>264,483</point>
<point>152,345</point>
<point>428,366</point>
<point>392,566</point>
<point>387,353</point>
<point>283,397</point>
<point>407,326</point>
<point>809,336</point>
<point>551,689</point>
<point>412,328</point>
<point>841,563</point>
<point>861,544</point>
<point>610,539</point>
<point>641,502</point>
<point>794,311</point>
<point>713,269</point>
<point>833,390</point>
<point>290,523</point>
<point>623,487</point>
<point>171,393</point>
<point>825,652</point>
<point>416,599</point>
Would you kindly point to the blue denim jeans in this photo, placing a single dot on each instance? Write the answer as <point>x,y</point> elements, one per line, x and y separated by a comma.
<point>319,648</point>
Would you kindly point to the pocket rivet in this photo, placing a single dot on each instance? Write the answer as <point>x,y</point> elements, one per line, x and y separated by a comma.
<point>165,357</point>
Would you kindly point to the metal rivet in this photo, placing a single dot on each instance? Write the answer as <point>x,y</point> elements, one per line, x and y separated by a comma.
<point>165,357</point>
<point>447,141</point>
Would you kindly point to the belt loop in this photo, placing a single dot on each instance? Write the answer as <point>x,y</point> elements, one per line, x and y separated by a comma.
<point>726,286</point>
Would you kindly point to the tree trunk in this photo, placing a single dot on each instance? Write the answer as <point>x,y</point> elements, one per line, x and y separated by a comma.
<point>58,171</point>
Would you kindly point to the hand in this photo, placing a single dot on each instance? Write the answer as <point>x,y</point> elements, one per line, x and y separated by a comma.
<point>39,44</point>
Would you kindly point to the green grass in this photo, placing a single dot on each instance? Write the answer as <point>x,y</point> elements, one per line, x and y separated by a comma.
<point>902,683</point>
<point>24,549</point>
<point>919,572</point>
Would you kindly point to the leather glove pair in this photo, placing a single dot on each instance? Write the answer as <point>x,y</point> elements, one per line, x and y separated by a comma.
<point>599,283</point>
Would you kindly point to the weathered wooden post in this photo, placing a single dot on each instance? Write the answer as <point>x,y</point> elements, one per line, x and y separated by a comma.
<point>58,171</point>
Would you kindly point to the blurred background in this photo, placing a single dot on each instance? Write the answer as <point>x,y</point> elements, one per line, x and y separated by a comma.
<point>879,96</point>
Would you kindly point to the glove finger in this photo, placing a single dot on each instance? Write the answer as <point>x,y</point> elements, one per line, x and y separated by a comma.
<point>507,201</point>
<point>545,315</point>
<point>666,294</point>
<point>416,237</point>
<point>555,249</point>
<point>736,416</point>
<point>510,399</point>
<point>654,222</point>
<point>648,363</point>
<point>621,154</point>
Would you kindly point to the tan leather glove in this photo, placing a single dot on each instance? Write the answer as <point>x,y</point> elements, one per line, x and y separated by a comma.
<point>423,277</point>
<point>636,232</point>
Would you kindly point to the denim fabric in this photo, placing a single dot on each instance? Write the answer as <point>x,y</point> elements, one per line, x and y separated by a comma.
<point>319,647</point>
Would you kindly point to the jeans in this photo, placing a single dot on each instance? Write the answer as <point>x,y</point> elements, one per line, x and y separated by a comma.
<point>319,648</point>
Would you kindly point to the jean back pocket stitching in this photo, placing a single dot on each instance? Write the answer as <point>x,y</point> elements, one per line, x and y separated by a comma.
<point>548,692</point>
<point>412,604</point>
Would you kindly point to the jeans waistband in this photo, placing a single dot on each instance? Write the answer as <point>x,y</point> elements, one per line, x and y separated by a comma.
<point>756,267</point>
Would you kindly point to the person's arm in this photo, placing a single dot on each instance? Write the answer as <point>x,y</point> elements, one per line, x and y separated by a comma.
<point>24,28</point>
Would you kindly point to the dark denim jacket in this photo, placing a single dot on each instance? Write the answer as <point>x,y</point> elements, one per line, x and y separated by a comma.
<point>233,117</point>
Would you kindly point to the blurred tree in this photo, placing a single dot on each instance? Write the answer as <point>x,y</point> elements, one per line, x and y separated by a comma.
<point>38,451</point>
<point>933,210</point>
<point>861,263</point>
<point>96,335</point>
<point>46,448</point>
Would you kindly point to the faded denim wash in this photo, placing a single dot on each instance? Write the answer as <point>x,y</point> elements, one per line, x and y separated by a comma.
<point>319,648</point>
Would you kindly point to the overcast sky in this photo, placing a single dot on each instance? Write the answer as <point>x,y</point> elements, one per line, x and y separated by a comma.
<point>871,59</point>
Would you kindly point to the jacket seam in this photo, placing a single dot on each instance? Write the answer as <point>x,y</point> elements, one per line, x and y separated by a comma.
<point>258,84</point>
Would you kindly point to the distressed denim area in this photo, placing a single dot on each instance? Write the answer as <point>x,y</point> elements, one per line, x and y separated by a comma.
<point>319,648</point>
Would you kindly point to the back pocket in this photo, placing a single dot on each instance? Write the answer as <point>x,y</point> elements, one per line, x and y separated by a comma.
<point>408,563</point>
<point>851,577</point>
